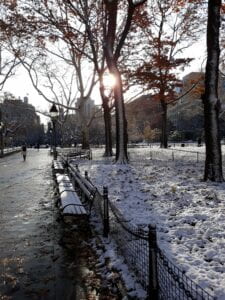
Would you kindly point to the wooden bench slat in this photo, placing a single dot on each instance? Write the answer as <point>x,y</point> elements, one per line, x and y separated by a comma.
<point>84,180</point>
<point>86,186</point>
<point>83,187</point>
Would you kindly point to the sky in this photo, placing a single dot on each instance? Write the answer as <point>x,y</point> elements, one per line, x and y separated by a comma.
<point>21,86</point>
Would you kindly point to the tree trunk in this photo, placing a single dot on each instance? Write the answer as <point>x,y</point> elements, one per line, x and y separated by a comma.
<point>2,144</point>
<point>85,137</point>
<point>213,162</point>
<point>84,128</point>
<point>121,122</point>
<point>164,137</point>
<point>107,122</point>
<point>1,136</point>
<point>108,131</point>
<point>111,60</point>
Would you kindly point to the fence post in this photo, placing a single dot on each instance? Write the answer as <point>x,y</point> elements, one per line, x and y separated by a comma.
<point>90,155</point>
<point>77,169</point>
<point>197,157</point>
<point>66,164</point>
<point>72,175</point>
<point>106,212</point>
<point>172,156</point>
<point>85,197</point>
<point>153,274</point>
<point>151,155</point>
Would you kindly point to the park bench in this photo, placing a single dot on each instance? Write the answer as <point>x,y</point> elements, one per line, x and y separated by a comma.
<point>70,204</point>
<point>86,188</point>
<point>57,167</point>
<point>61,179</point>
<point>62,186</point>
<point>68,200</point>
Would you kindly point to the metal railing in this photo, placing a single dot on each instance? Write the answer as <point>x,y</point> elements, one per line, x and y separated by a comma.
<point>9,151</point>
<point>146,155</point>
<point>76,152</point>
<point>174,284</point>
<point>158,276</point>
<point>133,244</point>
<point>156,153</point>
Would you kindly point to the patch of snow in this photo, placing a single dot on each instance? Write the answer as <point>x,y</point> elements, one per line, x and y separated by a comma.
<point>189,213</point>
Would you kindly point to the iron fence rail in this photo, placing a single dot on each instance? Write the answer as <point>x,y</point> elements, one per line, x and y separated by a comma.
<point>146,154</point>
<point>165,154</point>
<point>132,243</point>
<point>174,284</point>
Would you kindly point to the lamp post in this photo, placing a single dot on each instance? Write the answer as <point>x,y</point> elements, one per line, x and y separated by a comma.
<point>50,139</point>
<point>1,138</point>
<point>54,115</point>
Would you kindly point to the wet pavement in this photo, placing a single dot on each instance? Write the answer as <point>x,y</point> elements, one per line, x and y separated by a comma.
<point>40,258</point>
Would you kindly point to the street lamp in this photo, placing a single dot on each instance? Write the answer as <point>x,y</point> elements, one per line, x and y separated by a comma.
<point>54,115</point>
<point>1,138</point>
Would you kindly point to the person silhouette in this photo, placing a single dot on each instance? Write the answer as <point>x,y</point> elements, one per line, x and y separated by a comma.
<point>24,151</point>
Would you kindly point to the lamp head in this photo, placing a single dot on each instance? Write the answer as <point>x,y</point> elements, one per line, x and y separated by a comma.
<point>53,111</point>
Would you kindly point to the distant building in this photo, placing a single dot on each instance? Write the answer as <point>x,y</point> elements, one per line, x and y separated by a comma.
<point>87,107</point>
<point>143,113</point>
<point>186,114</point>
<point>20,119</point>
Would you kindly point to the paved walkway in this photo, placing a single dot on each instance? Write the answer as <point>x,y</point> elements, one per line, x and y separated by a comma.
<point>35,261</point>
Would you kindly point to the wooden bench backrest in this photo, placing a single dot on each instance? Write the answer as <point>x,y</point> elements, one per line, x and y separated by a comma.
<point>86,186</point>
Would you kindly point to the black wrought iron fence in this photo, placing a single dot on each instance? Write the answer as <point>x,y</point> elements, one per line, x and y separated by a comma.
<point>132,243</point>
<point>155,152</point>
<point>174,284</point>
<point>76,153</point>
<point>145,156</point>
<point>158,276</point>
<point>161,279</point>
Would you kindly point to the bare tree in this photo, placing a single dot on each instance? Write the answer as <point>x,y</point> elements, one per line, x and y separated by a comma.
<point>42,25</point>
<point>64,85</point>
<point>8,64</point>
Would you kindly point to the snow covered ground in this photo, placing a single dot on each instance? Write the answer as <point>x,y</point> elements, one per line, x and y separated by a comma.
<point>165,187</point>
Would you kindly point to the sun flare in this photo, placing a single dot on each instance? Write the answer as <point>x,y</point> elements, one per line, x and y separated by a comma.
<point>109,80</point>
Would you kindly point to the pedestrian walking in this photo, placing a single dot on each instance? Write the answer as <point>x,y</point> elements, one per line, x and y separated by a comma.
<point>24,151</point>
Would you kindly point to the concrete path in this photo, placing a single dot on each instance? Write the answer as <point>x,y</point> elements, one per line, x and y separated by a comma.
<point>36,260</point>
